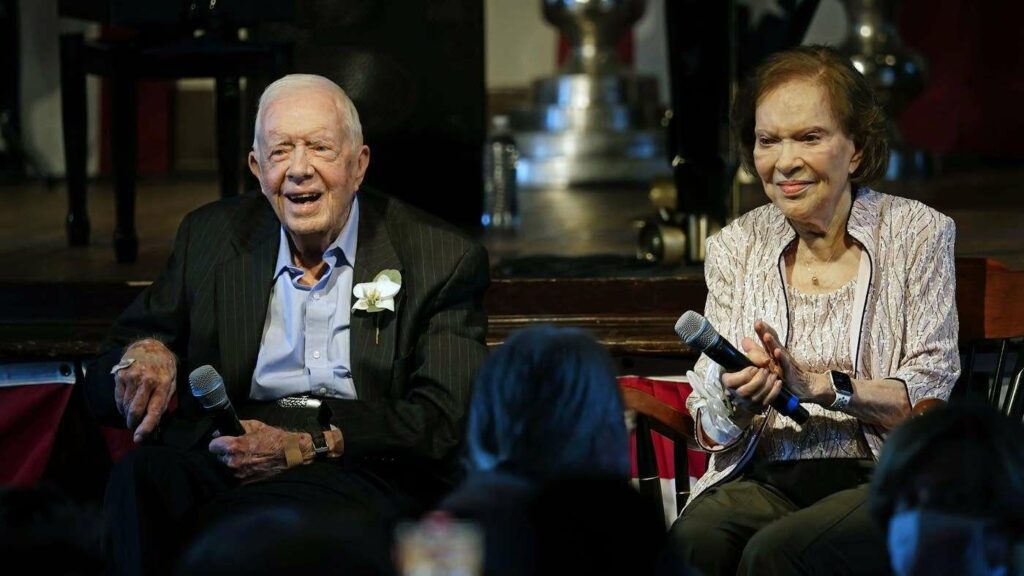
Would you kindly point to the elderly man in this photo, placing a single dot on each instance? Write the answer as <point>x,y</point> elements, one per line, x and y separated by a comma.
<point>314,292</point>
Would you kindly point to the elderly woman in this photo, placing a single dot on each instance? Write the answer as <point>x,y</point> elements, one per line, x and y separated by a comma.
<point>840,294</point>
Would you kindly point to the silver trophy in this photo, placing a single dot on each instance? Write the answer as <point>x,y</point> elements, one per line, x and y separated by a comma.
<point>896,73</point>
<point>594,122</point>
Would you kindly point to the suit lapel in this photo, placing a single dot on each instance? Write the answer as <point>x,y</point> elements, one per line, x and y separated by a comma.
<point>372,353</point>
<point>243,295</point>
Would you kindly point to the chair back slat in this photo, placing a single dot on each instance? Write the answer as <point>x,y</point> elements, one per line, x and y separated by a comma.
<point>992,369</point>
<point>1015,398</point>
<point>997,380</point>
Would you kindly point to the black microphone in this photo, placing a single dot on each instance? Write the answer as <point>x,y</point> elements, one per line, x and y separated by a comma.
<point>208,387</point>
<point>697,332</point>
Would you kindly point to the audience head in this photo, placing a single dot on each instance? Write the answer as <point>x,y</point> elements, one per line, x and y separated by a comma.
<point>546,403</point>
<point>949,491</point>
<point>290,540</point>
<point>47,533</point>
<point>590,525</point>
<point>848,94</point>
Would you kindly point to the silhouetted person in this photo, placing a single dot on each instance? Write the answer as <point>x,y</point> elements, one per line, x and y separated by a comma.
<point>546,405</point>
<point>291,540</point>
<point>47,533</point>
<point>949,493</point>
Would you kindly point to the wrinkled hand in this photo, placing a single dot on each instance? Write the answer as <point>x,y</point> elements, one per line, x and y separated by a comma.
<point>257,455</point>
<point>754,387</point>
<point>794,374</point>
<point>143,390</point>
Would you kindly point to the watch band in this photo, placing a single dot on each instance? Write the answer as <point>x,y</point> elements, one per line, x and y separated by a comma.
<point>843,388</point>
<point>316,432</point>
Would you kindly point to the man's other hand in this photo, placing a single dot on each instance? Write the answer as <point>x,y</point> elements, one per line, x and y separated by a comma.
<point>143,390</point>
<point>259,454</point>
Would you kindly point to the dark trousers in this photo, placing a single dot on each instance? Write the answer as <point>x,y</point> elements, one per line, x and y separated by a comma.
<point>159,498</point>
<point>752,526</point>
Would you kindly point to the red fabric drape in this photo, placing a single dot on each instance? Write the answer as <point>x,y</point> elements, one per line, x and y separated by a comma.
<point>674,394</point>
<point>29,417</point>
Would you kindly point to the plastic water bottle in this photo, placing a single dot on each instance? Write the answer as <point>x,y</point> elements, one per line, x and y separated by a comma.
<point>501,210</point>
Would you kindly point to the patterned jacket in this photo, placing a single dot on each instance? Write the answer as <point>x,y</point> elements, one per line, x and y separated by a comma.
<point>904,304</point>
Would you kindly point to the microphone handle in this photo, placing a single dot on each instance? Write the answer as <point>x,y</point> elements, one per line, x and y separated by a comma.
<point>226,421</point>
<point>726,355</point>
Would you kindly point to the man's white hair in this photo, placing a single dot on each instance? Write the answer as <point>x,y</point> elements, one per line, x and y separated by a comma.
<point>304,82</point>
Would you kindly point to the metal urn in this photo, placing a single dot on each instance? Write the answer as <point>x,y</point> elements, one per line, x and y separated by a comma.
<point>594,122</point>
<point>896,72</point>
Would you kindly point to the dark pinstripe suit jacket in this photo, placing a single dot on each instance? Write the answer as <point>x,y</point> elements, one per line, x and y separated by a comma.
<point>413,385</point>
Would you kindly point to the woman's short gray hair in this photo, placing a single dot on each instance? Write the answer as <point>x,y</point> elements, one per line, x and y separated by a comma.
<point>350,117</point>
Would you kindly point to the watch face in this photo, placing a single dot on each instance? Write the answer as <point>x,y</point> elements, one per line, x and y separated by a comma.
<point>841,381</point>
<point>319,442</point>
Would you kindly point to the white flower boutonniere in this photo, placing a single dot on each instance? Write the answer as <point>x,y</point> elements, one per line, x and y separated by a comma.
<point>379,295</point>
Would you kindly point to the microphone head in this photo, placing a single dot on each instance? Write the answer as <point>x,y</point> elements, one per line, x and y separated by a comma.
<point>208,387</point>
<point>696,331</point>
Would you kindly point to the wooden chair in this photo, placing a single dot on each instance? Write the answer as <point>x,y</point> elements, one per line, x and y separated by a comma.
<point>653,414</point>
<point>992,369</point>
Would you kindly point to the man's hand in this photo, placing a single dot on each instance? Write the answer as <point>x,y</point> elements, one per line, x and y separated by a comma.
<point>260,453</point>
<point>143,390</point>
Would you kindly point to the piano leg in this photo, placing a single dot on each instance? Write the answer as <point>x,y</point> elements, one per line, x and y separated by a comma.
<point>124,140</point>
<point>72,73</point>
<point>228,134</point>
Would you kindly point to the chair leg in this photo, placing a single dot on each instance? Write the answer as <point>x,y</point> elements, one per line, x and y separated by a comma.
<point>228,134</point>
<point>647,464</point>
<point>124,141</point>
<point>682,479</point>
<point>73,116</point>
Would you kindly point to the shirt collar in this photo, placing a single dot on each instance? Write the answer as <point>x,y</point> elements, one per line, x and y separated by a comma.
<point>341,251</point>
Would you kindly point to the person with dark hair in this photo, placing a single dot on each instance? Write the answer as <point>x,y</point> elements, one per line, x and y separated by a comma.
<point>843,296</point>
<point>46,532</point>
<point>595,525</point>
<point>545,405</point>
<point>274,540</point>
<point>949,493</point>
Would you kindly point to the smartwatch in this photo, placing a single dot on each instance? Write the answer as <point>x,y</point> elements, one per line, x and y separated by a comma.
<point>843,387</point>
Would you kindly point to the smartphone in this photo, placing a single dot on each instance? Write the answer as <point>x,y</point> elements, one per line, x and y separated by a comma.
<point>439,545</point>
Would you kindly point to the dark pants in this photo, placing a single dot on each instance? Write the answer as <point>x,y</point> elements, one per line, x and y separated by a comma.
<point>159,498</point>
<point>752,526</point>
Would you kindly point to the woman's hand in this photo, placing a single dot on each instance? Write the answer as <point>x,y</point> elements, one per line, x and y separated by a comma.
<point>805,385</point>
<point>753,388</point>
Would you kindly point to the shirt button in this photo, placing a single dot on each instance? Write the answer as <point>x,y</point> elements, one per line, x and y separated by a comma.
<point>323,391</point>
<point>316,354</point>
<point>316,295</point>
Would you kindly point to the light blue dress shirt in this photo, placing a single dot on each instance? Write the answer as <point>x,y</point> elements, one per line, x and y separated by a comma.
<point>305,345</point>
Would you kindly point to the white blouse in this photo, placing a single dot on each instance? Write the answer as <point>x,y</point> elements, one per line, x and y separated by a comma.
<point>819,333</point>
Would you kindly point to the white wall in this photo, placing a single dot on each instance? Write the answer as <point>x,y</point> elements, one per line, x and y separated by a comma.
<point>42,133</point>
<point>520,45</point>
<point>828,26</point>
